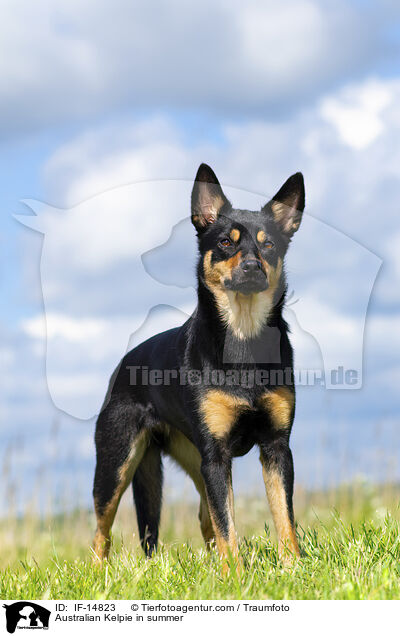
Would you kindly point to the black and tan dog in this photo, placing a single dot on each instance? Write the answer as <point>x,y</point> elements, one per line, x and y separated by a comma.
<point>210,390</point>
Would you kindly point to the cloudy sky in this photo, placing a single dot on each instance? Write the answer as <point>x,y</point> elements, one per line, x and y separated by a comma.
<point>105,116</point>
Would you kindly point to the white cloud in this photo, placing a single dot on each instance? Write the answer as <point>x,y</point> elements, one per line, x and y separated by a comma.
<point>358,114</point>
<point>268,28</point>
<point>91,255</point>
<point>83,352</point>
<point>70,329</point>
<point>135,153</point>
<point>392,249</point>
<point>60,64</point>
<point>344,181</point>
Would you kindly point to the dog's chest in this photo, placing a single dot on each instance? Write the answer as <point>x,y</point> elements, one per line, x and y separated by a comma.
<point>250,427</point>
<point>239,422</point>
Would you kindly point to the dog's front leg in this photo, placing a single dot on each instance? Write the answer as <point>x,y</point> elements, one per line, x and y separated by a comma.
<point>277,465</point>
<point>217,477</point>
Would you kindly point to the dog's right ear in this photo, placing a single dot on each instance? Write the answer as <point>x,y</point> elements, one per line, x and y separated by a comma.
<point>288,205</point>
<point>208,198</point>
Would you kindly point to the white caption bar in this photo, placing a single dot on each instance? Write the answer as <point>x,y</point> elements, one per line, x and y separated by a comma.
<point>176,617</point>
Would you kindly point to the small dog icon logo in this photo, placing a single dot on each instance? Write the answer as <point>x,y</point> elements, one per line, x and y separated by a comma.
<point>26,615</point>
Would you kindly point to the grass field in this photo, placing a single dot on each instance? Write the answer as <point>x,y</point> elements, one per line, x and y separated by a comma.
<point>349,540</point>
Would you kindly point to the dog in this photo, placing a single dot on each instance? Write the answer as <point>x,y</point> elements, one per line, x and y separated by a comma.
<point>210,390</point>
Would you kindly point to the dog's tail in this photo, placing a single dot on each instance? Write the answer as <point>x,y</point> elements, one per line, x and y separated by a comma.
<point>147,493</point>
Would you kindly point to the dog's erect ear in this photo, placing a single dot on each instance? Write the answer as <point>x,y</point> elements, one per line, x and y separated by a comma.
<point>207,197</point>
<point>288,204</point>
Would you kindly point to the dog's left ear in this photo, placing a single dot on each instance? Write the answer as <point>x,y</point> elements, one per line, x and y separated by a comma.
<point>288,204</point>
<point>208,198</point>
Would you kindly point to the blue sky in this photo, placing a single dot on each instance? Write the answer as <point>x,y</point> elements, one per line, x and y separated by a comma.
<point>105,115</point>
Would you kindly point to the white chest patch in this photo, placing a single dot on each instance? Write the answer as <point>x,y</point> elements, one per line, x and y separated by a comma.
<point>246,315</point>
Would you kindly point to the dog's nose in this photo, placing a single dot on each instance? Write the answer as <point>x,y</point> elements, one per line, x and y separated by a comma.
<point>250,265</point>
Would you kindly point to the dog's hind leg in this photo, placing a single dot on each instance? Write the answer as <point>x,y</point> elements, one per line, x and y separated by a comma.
<point>188,457</point>
<point>206,526</point>
<point>121,441</point>
<point>147,492</point>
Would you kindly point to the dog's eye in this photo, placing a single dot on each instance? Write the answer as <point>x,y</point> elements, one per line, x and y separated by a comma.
<point>225,242</point>
<point>268,244</point>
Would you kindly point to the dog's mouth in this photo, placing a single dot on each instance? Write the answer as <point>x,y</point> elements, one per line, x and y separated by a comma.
<point>249,284</point>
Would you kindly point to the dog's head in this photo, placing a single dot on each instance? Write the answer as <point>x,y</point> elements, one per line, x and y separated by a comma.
<point>242,251</point>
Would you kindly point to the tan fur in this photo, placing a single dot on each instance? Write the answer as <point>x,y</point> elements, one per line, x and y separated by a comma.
<point>188,457</point>
<point>208,211</point>
<point>235,235</point>
<point>105,518</point>
<point>226,545</point>
<point>220,411</point>
<point>261,236</point>
<point>216,273</point>
<point>279,403</point>
<point>284,217</point>
<point>245,315</point>
<point>287,540</point>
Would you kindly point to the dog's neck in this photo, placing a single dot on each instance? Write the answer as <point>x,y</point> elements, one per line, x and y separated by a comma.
<point>244,317</point>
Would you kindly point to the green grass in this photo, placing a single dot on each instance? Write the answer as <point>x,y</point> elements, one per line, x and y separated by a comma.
<point>349,539</point>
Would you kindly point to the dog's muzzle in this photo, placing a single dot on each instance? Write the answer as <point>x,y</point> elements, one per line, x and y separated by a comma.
<point>248,278</point>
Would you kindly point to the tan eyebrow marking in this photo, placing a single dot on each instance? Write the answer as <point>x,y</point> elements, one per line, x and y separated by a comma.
<point>261,236</point>
<point>235,235</point>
